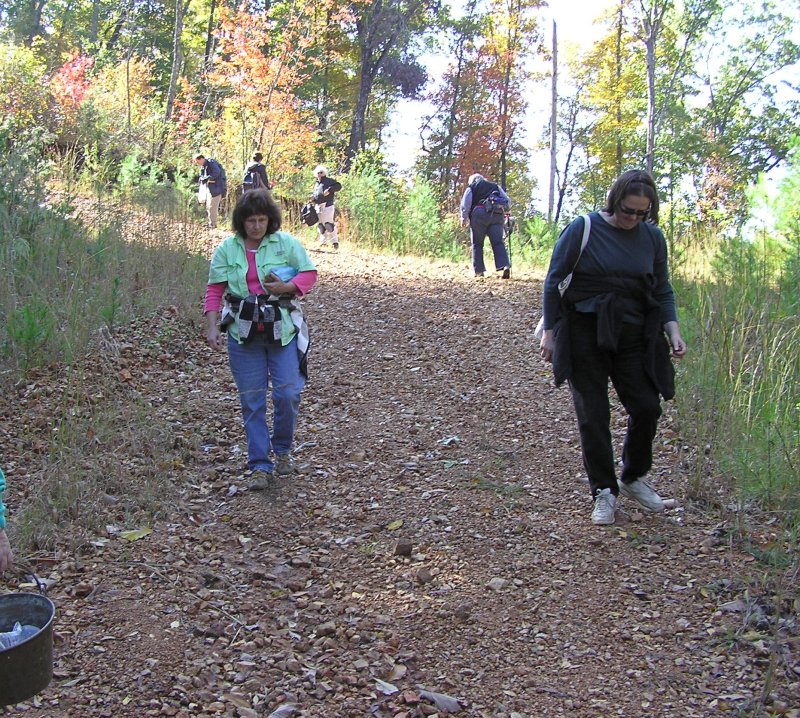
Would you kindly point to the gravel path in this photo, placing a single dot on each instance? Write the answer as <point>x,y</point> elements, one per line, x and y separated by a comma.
<point>436,552</point>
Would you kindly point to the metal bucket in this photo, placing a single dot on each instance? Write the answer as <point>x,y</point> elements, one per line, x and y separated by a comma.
<point>26,669</point>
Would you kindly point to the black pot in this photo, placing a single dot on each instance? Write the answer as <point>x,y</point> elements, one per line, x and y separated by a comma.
<point>26,669</point>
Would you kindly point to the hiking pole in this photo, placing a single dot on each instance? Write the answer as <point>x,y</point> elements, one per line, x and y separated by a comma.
<point>508,228</point>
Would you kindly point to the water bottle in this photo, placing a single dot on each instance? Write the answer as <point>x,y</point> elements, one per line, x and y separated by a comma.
<point>16,635</point>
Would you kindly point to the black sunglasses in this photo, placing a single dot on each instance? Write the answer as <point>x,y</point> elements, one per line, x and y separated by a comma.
<point>643,213</point>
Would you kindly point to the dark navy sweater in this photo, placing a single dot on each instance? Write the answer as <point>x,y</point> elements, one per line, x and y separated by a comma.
<point>610,252</point>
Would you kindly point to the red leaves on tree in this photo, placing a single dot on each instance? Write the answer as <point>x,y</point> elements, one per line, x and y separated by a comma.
<point>71,82</point>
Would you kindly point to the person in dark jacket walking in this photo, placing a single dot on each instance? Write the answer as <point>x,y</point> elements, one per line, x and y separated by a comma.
<point>611,324</point>
<point>483,222</point>
<point>213,186</point>
<point>255,175</point>
<point>323,196</point>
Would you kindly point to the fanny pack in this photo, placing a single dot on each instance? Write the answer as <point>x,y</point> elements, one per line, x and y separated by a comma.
<point>258,315</point>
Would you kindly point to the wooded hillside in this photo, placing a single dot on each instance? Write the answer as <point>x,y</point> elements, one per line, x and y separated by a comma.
<point>703,93</point>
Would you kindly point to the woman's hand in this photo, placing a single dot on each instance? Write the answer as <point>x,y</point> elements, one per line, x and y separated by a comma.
<point>546,345</point>
<point>6,555</point>
<point>276,287</point>
<point>675,339</point>
<point>214,337</point>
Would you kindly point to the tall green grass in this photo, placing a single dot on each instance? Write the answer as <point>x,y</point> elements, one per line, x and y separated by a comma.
<point>73,266</point>
<point>740,385</point>
<point>383,214</point>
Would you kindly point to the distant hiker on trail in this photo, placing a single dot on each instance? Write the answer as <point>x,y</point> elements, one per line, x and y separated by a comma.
<point>257,276</point>
<point>323,196</point>
<point>6,555</point>
<point>611,323</point>
<point>255,175</point>
<point>213,186</point>
<point>483,206</point>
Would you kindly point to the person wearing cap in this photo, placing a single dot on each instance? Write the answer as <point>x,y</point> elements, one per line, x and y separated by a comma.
<point>323,197</point>
<point>213,186</point>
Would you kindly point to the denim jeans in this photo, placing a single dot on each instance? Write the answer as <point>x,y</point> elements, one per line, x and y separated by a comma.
<point>591,370</point>
<point>482,223</point>
<point>255,366</point>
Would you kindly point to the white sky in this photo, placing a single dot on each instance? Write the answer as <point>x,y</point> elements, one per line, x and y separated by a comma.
<point>574,21</point>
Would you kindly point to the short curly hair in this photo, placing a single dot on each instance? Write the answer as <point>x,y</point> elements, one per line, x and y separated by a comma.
<point>259,201</point>
<point>637,183</point>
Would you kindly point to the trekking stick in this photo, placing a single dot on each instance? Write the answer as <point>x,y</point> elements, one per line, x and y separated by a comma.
<point>508,228</point>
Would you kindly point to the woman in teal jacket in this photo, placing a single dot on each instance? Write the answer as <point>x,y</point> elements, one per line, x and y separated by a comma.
<point>6,556</point>
<point>258,275</point>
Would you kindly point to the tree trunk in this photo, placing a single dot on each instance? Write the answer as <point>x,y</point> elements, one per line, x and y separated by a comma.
<point>553,127</point>
<point>209,37</point>
<point>377,37</point>
<point>619,78</point>
<point>95,21</point>
<point>177,60</point>
<point>128,94</point>
<point>650,60</point>
<point>449,178</point>
<point>324,99</point>
<point>36,21</point>
<point>359,114</point>
<point>505,132</point>
<point>119,25</point>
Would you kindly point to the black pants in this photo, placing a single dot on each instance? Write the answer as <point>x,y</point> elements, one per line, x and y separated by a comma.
<point>591,370</point>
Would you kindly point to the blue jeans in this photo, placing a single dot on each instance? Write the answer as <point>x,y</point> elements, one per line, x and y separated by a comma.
<point>482,223</point>
<point>254,366</point>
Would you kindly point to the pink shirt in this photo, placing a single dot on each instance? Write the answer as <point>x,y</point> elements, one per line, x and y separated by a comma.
<point>213,301</point>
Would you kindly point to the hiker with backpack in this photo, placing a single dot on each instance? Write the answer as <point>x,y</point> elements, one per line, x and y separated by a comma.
<point>213,186</point>
<point>484,206</point>
<point>616,319</point>
<point>255,175</point>
<point>323,196</point>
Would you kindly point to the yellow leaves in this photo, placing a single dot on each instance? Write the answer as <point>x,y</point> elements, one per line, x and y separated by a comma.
<point>394,525</point>
<point>135,534</point>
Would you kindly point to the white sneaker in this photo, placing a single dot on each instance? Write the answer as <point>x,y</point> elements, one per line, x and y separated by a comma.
<point>643,494</point>
<point>605,504</point>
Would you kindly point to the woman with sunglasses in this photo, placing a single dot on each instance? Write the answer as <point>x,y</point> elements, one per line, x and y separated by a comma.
<point>616,320</point>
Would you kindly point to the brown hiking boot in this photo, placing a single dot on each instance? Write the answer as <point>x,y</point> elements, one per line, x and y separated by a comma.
<point>284,466</point>
<point>261,481</point>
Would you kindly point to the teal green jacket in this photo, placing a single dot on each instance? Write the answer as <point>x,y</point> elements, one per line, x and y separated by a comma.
<point>229,265</point>
<point>2,508</point>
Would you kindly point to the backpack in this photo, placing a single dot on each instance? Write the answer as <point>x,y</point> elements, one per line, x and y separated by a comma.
<point>308,214</point>
<point>495,203</point>
<point>252,179</point>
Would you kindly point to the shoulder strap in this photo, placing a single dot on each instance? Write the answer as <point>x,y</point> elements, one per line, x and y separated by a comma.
<point>563,285</point>
<point>587,227</point>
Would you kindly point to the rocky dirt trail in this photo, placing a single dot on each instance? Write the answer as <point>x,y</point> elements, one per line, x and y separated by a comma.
<point>434,557</point>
